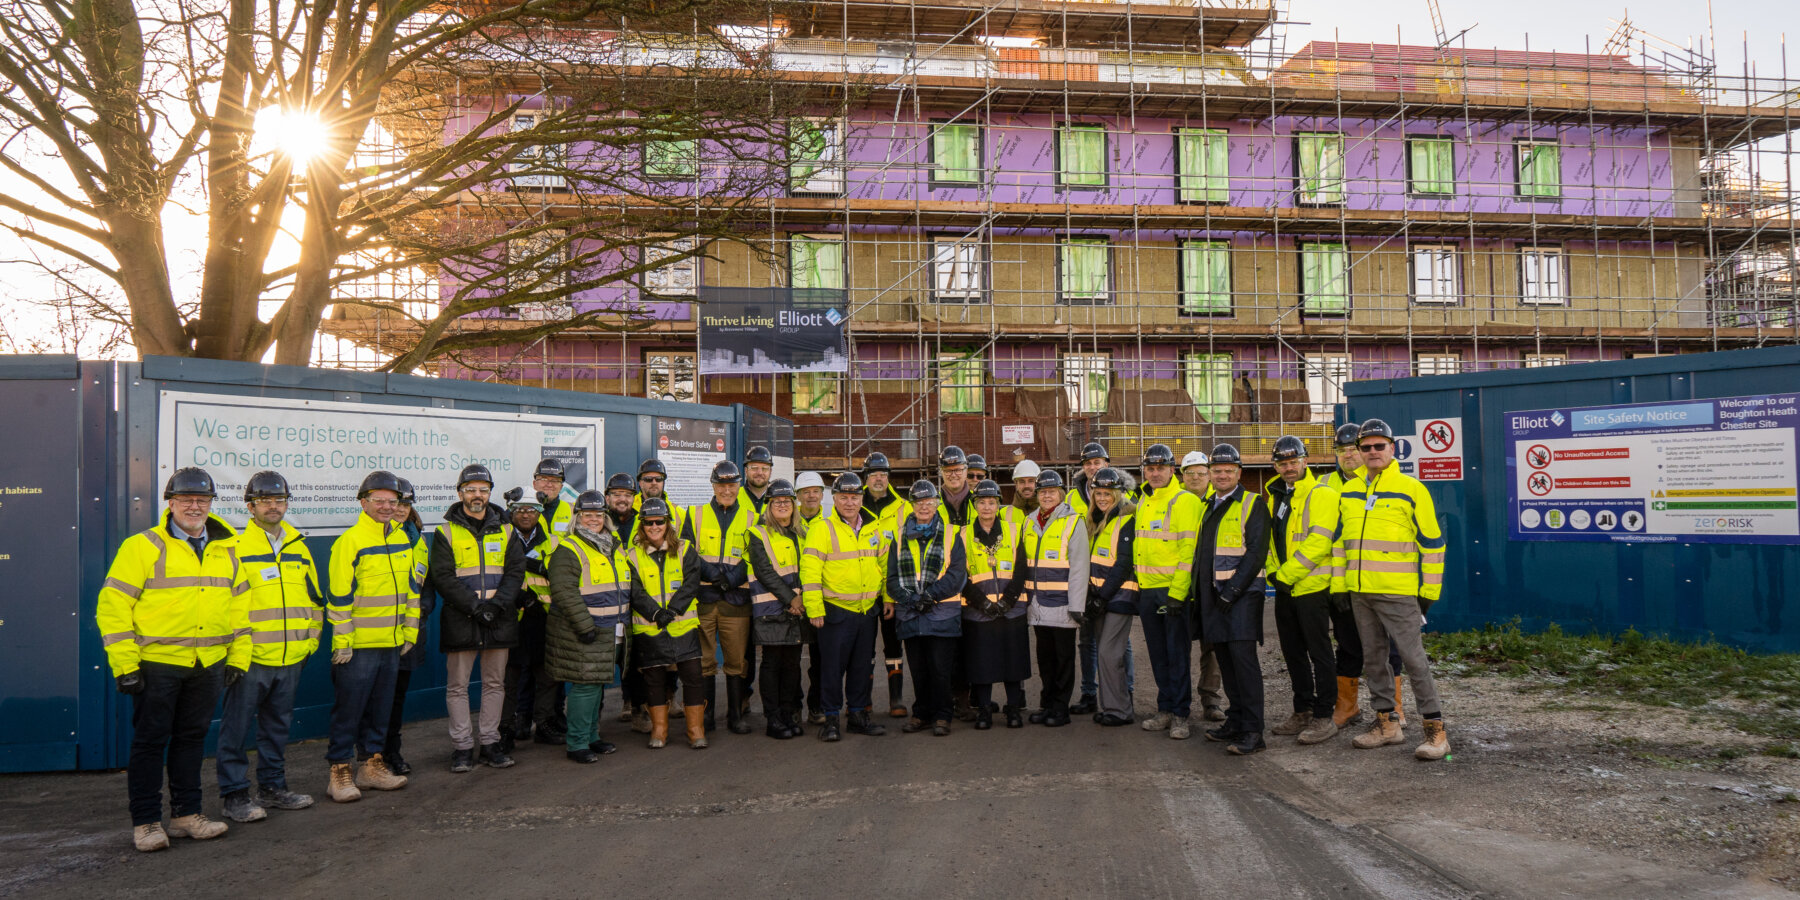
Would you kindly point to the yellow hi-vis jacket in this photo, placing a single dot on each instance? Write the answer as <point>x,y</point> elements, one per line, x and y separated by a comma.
<point>725,548</point>
<point>287,607</point>
<point>374,595</point>
<point>1311,525</point>
<point>1167,526</point>
<point>843,566</point>
<point>1388,540</point>
<point>537,562</point>
<point>162,603</point>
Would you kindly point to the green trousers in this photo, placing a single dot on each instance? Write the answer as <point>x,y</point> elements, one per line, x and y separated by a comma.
<point>584,714</point>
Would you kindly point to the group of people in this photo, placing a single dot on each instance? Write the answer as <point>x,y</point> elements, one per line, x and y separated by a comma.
<point>552,600</point>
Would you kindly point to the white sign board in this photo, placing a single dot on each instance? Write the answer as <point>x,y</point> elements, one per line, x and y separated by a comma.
<point>1438,449</point>
<point>1018,434</point>
<point>689,447</point>
<point>324,448</point>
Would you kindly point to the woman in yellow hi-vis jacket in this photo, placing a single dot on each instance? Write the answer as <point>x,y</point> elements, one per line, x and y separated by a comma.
<point>665,623</point>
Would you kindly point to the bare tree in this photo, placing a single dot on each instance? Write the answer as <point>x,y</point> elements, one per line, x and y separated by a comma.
<point>516,153</point>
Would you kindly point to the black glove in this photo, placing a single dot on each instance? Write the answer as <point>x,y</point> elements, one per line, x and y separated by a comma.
<point>589,636</point>
<point>232,674</point>
<point>1340,602</point>
<point>1424,605</point>
<point>664,616</point>
<point>1005,606</point>
<point>1096,611</point>
<point>131,683</point>
<point>487,614</point>
<point>1226,598</point>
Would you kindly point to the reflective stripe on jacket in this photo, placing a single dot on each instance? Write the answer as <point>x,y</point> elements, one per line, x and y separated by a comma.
<point>605,582</point>
<point>1388,540</point>
<point>162,603</point>
<point>1106,560</point>
<point>1228,543</point>
<point>990,573</point>
<point>287,607</point>
<point>726,546</point>
<point>661,582</point>
<point>783,552</point>
<point>1057,556</point>
<point>1311,524</point>
<point>372,599</point>
<point>1167,526</point>
<point>842,566</point>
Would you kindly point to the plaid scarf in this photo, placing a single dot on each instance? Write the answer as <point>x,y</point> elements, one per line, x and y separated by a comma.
<point>933,538</point>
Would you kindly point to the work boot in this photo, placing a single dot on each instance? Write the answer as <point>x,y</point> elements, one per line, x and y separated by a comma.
<point>584,756</point>
<point>374,775</point>
<point>397,764</point>
<point>1293,724</point>
<point>896,693</point>
<point>1086,706</point>
<point>1056,716</point>
<point>640,719</point>
<point>1321,729</point>
<point>239,807</point>
<point>796,726</point>
<point>984,719</point>
<point>496,758</point>
<point>696,727</point>
<point>508,740</point>
<point>734,705</point>
<point>659,727</point>
<point>629,713</point>
<point>462,760</point>
<point>1399,700</point>
<point>940,728</point>
<point>151,837</point>
<point>1385,731</point>
<point>196,826</point>
<point>678,713</point>
<point>709,711</point>
<point>1437,743</point>
<point>1347,710</point>
<point>1158,722</point>
<point>1013,719</point>
<point>544,734</point>
<point>1214,714</point>
<point>778,727</point>
<point>829,731</point>
<point>913,725</point>
<point>603,747</point>
<point>1246,744</point>
<point>1223,733</point>
<point>815,717</point>
<point>269,797</point>
<point>858,723</point>
<point>963,711</point>
<point>342,787</point>
<point>1180,729</point>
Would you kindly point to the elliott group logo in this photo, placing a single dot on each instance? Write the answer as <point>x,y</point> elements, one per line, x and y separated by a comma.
<point>834,317</point>
<point>1557,417</point>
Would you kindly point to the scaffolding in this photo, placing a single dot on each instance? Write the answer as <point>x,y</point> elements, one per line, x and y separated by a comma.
<point>1260,225</point>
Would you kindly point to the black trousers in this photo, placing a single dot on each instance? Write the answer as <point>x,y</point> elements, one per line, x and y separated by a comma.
<point>1242,677</point>
<point>659,688</point>
<point>933,661</point>
<point>815,675</point>
<point>892,651</point>
<point>397,715</point>
<point>780,677</point>
<point>1303,625</point>
<point>532,696</point>
<point>983,694</point>
<point>1056,666</point>
<point>847,643</point>
<point>1349,643</point>
<point>637,693</point>
<point>168,728</point>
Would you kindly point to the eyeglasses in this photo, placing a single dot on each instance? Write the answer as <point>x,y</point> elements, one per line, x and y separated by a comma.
<point>651,479</point>
<point>179,500</point>
<point>1374,448</point>
<point>381,503</point>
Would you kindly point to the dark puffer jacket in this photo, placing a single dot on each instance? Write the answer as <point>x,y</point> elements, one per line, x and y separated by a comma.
<point>565,656</point>
<point>459,629</point>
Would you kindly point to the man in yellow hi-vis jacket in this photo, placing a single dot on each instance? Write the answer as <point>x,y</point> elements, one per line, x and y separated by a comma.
<point>171,610</point>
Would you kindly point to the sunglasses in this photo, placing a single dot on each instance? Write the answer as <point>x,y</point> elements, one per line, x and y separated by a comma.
<point>1375,448</point>
<point>655,523</point>
<point>652,479</point>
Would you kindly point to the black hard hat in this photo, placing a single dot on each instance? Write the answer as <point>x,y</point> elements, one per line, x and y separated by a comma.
<point>378,481</point>
<point>875,462</point>
<point>977,463</point>
<point>1093,450</point>
<point>725,472</point>
<point>923,490</point>
<point>1289,447</point>
<point>191,480</point>
<point>474,473</point>
<point>654,508</point>
<point>759,455</point>
<point>1049,479</point>
<point>1108,478</point>
<point>846,483</point>
<point>620,482</point>
<point>266,485</point>
<point>987,488</point>
<point>550,468</point>
<point>1226,453</point>
<point>653,466</point>
<point>408,496</point>
<point>952,456</point>
<point>1346,434</point>
<point>1159,455</point>
<point>591,501</point>
<point>1375,428</point>
<point>780,487</point>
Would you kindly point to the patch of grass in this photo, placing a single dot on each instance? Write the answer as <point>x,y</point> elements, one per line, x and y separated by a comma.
<point>1764,689</point>
<point>1782,751</point>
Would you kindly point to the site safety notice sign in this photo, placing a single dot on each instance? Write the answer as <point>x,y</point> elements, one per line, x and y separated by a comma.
<point>1716,471</point>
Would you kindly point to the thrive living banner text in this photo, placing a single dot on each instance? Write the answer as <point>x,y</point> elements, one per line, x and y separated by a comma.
<point>749,331</point>
<point>324,448</point>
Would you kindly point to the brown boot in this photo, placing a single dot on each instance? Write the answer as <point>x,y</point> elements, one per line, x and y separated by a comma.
<point>1347,709</point>
<point>1293,724</point>
<point>696,727</point>
<point>659,726</point>
<point>640,721</point>
<point>342,788</point>
<point>1399,701</point>
<point>374,775</point>
<point>1437,743</point>
<point>201,828</point>
<point>1385,731</point>
<point>1321,730</point>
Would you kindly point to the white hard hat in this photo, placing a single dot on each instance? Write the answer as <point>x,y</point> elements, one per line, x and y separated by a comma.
<point>1025,469</point>
<point>1194,458</point>
<point>809,479</point>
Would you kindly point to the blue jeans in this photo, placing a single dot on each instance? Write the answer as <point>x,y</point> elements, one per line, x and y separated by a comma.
<point>168,728</point>
<point>1089,653</point>
<point>263,698</point>
<point>365,699</point>
<point>1167,635</point>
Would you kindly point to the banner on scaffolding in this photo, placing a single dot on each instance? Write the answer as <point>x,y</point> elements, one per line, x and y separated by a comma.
<point>761,331</point>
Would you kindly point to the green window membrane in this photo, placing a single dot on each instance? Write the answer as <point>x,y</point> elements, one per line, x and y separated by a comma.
<point>1540,169</point>
<point>1087,378</point>
<point>671,159</point>
<point>1205,277</point>
<point>1208,378</point>
<point>1432,166</point>
<point>815,392</point>
<point>816,264</point>
<point>1203,174</point>
<point>1325,277</point>
<point>959,387</point>
<point>956,153</point>
<point>810,154</point>
<point>1084,270</point>
<point>1321,168</point>
<point>1082,150</point>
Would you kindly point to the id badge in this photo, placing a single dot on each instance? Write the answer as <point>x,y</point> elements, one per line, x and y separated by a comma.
<point>495,546</point>
<point>271,573</point>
